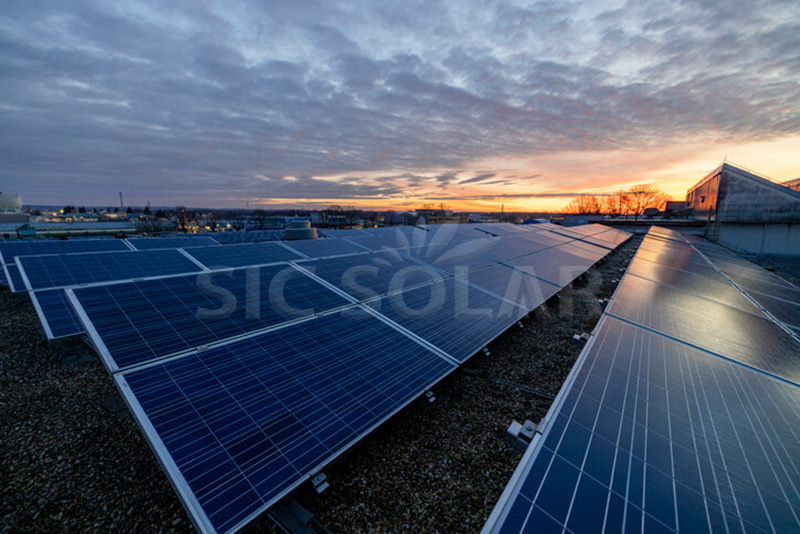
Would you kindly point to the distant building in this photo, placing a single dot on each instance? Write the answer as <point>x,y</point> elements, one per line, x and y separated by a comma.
<point>438,216</point>
<point>675,208</point>
<point>746,211</point>
<point>11,210</point>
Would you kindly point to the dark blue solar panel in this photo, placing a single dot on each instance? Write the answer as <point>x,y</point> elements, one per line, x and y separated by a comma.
<point>56,314</point>
<point>365,276</point>
<point>250,236</point>
<point>558,265</point>
<point>15,282</point>
<point>243,423</point>
<point>657,436</point>
<point>512,284</point>
<point>451,315</point>
<point>713,286</point>
<point>241,255</point>
<point>10,249</point>
<point>89,268</point>
<point>140,321</point>
<point>152,243</point>
<point>320,248</point>
<point>3,280</point>
<point>725,330</point>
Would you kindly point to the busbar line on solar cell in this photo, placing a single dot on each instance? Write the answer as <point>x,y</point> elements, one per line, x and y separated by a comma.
<point>73,270</point>
<point>376,372</point>
<point>135,322</point>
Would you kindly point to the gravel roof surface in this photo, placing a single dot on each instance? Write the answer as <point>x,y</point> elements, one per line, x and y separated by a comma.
<point>74,460</point>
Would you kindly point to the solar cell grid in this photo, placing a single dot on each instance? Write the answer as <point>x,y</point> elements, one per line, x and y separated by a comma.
<point>243,423</point>
<point>63,270</point>
<point>135,322</point>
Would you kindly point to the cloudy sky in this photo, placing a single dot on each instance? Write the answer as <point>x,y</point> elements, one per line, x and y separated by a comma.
<point>471,104</point>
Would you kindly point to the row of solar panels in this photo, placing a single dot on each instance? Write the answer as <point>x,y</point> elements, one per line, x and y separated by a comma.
<point>247,380</point>
<point>681,414</point>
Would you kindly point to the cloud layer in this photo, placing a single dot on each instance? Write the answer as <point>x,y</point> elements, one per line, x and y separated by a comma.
<point>205,102</point>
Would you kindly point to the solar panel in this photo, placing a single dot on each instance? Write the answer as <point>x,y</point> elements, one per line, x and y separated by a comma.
<point>744,337</point>
<point>241,255</point>
<point>136,322</point>
<point>10,249</point>
<point>514,285</point>
<point>15,281</point>
<point>366,276</point>
<point>654,435</point>
<point>559,265</point>
<point>679,416</point>
<point>249,236</point>
<point>56,314</point>
<point>152,243</point>
<point>712,286</point>
<point>238,426</point>
<point>451,315</point>
<point>320,248</point>
<point>65,270</point>
<point>3,280</point>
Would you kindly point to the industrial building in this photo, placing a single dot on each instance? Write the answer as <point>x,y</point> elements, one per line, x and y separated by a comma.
<point>747,212</point>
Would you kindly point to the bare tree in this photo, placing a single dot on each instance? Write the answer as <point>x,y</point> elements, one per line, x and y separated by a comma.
<point>583,205</point>
<point>640,197</point>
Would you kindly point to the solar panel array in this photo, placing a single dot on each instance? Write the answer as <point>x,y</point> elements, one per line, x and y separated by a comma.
<point>681,413</point>
<point>266,361</point>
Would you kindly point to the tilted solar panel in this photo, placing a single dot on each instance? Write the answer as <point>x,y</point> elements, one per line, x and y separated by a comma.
<point>451,315</point>
<point>238,426</point>
<point>152,243</point>
<point>56,314</point>
<point>655,436</point>
<point>10,249</point>
<point>241,255</point>
<point>135,322</point>
<point>319,248</point>
<point>680,416</point>
<point>63,270</point>
<point>14,279</point>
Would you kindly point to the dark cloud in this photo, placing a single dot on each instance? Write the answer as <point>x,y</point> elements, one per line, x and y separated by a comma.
<point>199,100</point>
